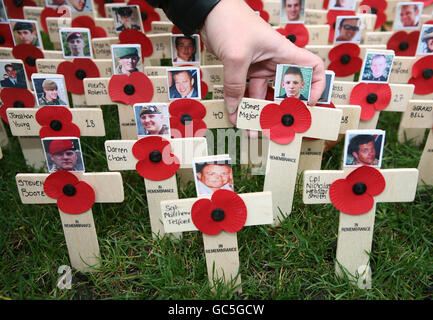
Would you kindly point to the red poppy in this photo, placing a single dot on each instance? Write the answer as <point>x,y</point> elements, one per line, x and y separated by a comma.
<point>321,105</point>
<point>354,195</point>
<point>56,122</point>
<point>76,71</point>
<point>155,160</point>
<point>403,43</point>
<point>6,39</point>
<point>281,122</point>
<point>257,5</point>
<point>101,8</point>
<point>296,33</point>
<point>148,13</point>
<point>422,75</point>
<point>28,54</point>
<point>135,88</point>
<point>132,36</point>
<point>48,12</point>
<point>224,211</point>
<point>15,98</point>
<point>371,97</point>
<point>73,196</point>
<point>15,8</point>
<point>376,7</point>
<point>332,18</point>
<point>89,23</point>
<point>345,59</point>
<point>186,118</point>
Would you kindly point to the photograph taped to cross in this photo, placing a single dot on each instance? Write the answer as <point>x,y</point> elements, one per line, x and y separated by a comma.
<point>63,153</point>
<point>50,89</point>
<point>325,98</point>
<point>348,29</point>
<point>212,174</point>
<point>377,66</point>
<point>185,49</point>
<point>408,15</point>
<point>184,82</point>
<point>293,81</point>
<point>425,42</point>
<point>152,119</point>
<point>364,147</point>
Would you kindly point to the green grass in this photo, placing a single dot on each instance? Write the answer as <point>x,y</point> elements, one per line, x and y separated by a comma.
<point>292,261</point>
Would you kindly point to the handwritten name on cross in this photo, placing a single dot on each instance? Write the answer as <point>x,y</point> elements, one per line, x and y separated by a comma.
<point>120,157</point>
<point>355,231</point>
<point>79,229</point>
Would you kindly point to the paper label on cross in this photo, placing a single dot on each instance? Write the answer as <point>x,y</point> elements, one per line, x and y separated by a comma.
<point>355,232</point>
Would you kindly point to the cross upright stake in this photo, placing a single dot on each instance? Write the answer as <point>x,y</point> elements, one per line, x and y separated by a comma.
<point>355,229</point>
<point>221,247</point>
<point>283,155</point>
<point>120,156</point>
<point>79,228</point>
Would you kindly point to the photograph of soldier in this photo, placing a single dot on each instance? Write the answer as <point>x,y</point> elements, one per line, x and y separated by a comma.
<point>126,58</point>
<point>184,49</point>
<point>63,154</point>
<point>377,67</point>
<point>127,17</point>
<point>364,147</point>
<point>80,5</point>
<point>292,11</point>
<point>407,15</point>
<point>152,119</point>
<point>49,91</point>
<point>349,29</point>
<point>293,81</point>
<point>425,43</point>
<point>14,76</point>
<point>211,176</point>
<point>25,32</point>
<point>184,83</point>
<point>76,43</point>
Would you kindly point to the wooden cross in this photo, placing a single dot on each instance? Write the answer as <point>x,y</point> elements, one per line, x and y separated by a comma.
<point>400,96</point>
<point>120,157</point>
<point>23,124</point>
<point>283,160</point>
<point>355,232</point>
<point>221,250</point>
<point>79,229</point>
<point>419,116</point>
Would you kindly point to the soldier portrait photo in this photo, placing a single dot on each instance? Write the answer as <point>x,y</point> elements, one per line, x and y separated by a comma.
<point>25,32</point>
<point>127,17</point>
<point>364,147</point>
<point>211,176</point>
<point>63,154</point>
<point>408,15</point>
<point>76,43</point>
<point>14,75</point>
<point>126,58</point>
<point>377,66</point>
<point>293,81</point>
<point>50,91</point>
<point>152,119</point>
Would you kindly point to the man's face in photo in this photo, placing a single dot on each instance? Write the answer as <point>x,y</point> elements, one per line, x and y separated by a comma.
<point>378,65</point>
<point>348,29</point>
<point>185,49</point>
<point>408,15</point>
<point>51,95</point>
<point>292,9</point>
<point>293,84</point>
<point>430,44</point>
<point>65,160</point>
<point>183,82</point>
<point>215,176</point>
<point>128,63</point>
<point>152,122</point>
<point>366,153</point>
<point>11,72</point>
<point>26,36</point>
<point>76,45</point>
<point>78,4</point>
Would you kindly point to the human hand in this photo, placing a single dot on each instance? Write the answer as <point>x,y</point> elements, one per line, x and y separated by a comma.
<point>250,48</point>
